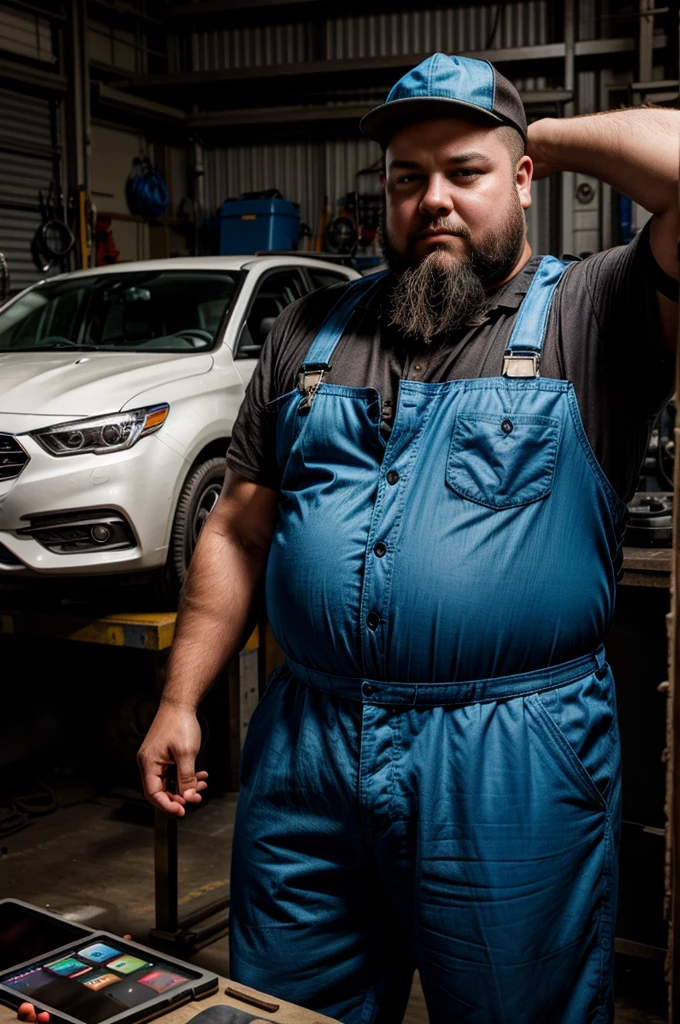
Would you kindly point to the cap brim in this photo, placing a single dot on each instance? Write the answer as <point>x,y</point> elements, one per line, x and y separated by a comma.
<point>384,121</point>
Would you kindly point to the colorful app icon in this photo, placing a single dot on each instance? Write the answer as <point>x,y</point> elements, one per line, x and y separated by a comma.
<point>67,966</point>
<point>127,963</point>
<point>79,973</point>
<point>30,981</point>
<point>161,981</point>
<point>99,952</point>
<point>100,980</point>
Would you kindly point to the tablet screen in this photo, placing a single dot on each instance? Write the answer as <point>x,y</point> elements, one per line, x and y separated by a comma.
<point>98,978</point>
<point>26,933</point>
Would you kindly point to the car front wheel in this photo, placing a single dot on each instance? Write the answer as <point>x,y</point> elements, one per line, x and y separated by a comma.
<point>197,499</point>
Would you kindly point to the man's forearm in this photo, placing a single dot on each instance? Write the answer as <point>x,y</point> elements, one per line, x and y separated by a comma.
<point>635,151</point>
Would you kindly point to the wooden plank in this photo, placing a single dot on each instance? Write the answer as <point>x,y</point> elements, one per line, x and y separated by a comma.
<point>647,559</point>
<point>646,567</point>
<point>150,631</point>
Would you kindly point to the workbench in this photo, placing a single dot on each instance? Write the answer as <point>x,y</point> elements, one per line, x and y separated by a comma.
<point>287,1013</point>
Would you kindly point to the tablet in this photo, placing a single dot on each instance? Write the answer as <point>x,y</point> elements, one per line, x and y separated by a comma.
<point>103,979</point>
<point>27,931</point>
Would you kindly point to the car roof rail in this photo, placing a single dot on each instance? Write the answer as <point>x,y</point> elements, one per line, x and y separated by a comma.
<point>344,260</point>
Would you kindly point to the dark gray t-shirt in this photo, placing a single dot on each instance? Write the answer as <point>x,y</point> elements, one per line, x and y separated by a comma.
<point>603,335</point>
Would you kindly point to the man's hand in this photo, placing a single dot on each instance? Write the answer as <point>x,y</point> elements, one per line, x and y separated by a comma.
<point>27,1012</point>
<point>173,739</point>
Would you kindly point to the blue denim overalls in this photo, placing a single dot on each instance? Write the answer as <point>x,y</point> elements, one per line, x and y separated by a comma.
<point>433,778</point>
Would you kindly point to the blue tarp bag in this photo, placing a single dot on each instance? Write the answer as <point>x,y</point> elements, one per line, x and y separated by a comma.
<point>146,191</point>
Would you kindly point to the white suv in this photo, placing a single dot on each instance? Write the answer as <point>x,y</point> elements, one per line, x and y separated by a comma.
<point>118,391</point>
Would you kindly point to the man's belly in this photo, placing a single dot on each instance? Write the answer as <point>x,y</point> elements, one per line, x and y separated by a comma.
<point>458,593</point>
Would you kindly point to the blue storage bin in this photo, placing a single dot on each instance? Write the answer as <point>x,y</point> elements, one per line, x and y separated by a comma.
<point>248,225</point>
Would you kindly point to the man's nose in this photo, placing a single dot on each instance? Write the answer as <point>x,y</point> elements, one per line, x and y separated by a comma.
<point>437,200</point>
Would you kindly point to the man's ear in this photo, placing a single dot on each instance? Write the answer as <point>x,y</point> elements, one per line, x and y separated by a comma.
<point>525,170</point>
<point>383,179</point>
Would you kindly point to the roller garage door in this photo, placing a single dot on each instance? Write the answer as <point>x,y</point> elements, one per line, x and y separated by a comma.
<point>28,161</point>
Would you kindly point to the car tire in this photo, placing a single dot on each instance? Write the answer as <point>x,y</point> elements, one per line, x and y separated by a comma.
<point>197,499</point>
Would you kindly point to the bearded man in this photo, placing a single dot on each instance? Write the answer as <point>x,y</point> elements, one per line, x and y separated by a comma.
<point>432,464</point>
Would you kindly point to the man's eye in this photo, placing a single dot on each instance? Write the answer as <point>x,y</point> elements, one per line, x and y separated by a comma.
<point>465,172</point>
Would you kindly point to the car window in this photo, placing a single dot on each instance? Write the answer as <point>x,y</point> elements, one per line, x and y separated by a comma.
<point>165,310</point>
<point>274,292</point>
<point>321,277</point>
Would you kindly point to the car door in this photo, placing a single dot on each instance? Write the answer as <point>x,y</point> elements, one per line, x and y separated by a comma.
<point>275,290</point>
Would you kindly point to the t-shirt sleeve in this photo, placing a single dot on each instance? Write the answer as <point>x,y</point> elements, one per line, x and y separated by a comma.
<point>252,452</point>
<point>619,284</point>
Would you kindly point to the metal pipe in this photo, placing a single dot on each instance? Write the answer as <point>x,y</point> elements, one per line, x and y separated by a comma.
<point>165,872</point>
<point>567,177</point>
<point>204,912</point>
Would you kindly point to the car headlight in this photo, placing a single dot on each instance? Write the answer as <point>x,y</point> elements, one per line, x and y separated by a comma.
<point>101,434</point>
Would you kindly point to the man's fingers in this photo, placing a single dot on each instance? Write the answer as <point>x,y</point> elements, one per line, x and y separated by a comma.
<point>168,803</point>
<point>43,1017</point>
<point>186,774</point>
<point>27,1012</point>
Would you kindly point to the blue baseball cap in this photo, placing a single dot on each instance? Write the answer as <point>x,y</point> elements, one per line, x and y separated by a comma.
<point>444,86</point>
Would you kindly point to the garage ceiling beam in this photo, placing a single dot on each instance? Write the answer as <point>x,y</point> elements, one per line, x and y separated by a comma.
<point>53,13</point>
<point>337,112</point>
<point>108,97</point>
<point>226,6</point>
<point>511,55</point>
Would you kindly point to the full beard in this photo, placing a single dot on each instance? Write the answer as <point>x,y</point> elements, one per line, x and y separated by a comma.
<point>444,292</point>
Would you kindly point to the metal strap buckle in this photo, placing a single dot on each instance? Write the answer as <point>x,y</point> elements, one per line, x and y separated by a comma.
<point>309,382</point>
<point>521,364</point>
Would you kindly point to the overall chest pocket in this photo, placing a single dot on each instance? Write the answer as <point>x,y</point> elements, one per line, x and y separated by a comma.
<point>502,460</point>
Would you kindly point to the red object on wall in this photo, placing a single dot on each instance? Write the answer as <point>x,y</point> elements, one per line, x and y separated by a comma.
<point>105,247</point>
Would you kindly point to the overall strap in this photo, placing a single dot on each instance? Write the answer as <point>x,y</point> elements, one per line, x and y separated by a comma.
<point>332,329</point>
<point>523,353</point>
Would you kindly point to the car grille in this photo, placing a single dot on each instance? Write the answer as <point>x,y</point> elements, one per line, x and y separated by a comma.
<point>13,457</point>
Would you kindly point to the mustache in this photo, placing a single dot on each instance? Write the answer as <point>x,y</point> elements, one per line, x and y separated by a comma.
<point>433,225</point>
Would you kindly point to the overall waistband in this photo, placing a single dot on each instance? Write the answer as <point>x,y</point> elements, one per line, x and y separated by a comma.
<point>477,691</point>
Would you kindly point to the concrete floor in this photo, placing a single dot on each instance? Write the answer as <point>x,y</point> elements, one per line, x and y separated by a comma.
<point>93,860</point>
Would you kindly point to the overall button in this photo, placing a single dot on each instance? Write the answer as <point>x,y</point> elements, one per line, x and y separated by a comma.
<point>506,426</point>
<point>380,549</point>
<point>392,476</point>
<point>367,689</point>
<point>372,620</point>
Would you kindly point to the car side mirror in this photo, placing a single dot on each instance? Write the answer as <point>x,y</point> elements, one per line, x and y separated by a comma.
<point>266,325</point>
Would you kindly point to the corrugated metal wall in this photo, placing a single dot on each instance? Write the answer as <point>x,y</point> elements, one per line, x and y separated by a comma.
<point>297,169</point>
<point>27,134</point>
<point>27,34</point>
<point>307,172</point>
<point>452,30</point>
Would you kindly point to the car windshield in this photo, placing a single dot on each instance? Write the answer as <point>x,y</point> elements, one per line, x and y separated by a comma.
<point>162,310</point>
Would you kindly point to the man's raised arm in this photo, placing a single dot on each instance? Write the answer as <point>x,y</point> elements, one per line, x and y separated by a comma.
<point>215,613</point>
<point>636,151</point>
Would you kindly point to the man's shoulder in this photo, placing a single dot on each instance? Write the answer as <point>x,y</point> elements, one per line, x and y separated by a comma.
<point>599,272</point>
<point>311,310</point>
